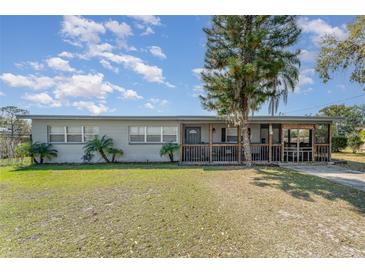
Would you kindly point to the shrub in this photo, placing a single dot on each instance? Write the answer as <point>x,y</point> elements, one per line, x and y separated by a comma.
<point>355,141</point>
<point>339,143</point>
<point>169,149</point>
<point>116,153</point>
<point>87,157</point>
<point>23,150</point>
<point>41,151</point>
<point>100,145</point>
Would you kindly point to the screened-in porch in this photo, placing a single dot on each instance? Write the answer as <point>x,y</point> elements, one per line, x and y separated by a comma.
<point>274,142</point>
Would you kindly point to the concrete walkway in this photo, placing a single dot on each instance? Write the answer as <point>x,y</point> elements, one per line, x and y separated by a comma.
<point>355,179</point>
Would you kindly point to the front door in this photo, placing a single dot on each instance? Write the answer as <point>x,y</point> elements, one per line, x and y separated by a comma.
<point>192,135</point>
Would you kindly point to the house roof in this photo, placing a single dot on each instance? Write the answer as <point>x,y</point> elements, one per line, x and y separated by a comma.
<point>298,119</point>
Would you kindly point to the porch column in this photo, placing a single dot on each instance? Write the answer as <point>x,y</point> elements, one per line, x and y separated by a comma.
<point>210,143</point>
<point>181,140</point>
<point>329,142</point>
<point>239,143</point>
<point>314,143</point>
<point>270,142</point>
<point>282,143</point>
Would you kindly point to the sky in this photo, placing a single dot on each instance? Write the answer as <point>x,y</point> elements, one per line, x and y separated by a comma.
<point>139,65</point>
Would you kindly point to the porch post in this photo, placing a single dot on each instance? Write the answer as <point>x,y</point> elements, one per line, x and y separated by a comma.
<point>270,142</point>
<point>314,143</point>
<point>239,143</point>
<point>210,143</point>
<point>181,140</point>
<point>282,143</point>
<point>330,142</point>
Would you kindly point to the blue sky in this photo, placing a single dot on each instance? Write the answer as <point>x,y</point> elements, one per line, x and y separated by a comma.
<point>139,65</point>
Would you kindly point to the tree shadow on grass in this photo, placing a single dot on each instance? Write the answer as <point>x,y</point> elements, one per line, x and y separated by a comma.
<point>305,187</point>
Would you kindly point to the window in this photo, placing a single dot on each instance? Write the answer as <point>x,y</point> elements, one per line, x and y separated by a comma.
<point>56,134</point>
<point>137,134</point>
<point>231,135</point>
<point>90,133</point>
<point>71,134</point>
<point>74,134</point>
<point>152,134</point>
<point>169,134</point>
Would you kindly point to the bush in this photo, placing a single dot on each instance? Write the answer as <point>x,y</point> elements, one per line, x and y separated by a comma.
<point>355,141</point>
<point>339,143</point>
<point>169,149</point>
<point>41,151</point>
<point>22,150</point>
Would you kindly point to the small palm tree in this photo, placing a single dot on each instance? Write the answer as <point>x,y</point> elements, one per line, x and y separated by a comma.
<point>116,153</point>
<point>169,149</point>
<point>42,151</point>
<point>99,145</point>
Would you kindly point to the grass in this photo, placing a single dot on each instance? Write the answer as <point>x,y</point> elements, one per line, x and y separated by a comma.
<point>162,210</point>
<point>355,161</point>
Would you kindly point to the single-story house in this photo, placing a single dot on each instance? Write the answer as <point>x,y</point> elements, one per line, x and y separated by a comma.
<point>202,139</point>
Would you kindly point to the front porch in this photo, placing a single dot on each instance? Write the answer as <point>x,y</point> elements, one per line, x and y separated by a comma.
<point>219,143</point>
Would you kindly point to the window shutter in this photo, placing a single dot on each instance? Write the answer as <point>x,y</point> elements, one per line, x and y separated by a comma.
<point>223,139</point>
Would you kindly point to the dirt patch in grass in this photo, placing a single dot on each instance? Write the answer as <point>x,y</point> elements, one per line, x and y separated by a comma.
<point>167,211</point>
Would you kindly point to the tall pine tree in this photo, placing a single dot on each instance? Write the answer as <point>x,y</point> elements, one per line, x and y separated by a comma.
<point>247,63</point>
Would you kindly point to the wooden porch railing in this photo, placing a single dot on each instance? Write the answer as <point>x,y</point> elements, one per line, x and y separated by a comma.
<point>229,153</point>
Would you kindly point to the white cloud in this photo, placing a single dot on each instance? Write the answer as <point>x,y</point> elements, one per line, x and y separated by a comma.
<point>307,56</point>
<point>58,63</point>
<point>148,19</point>
<point>91,107</point>
<point>198,90</point>
<point>197,72</point>
<point>305,79</point>
<point>32,64</point>
<point>66,54</point>
<point>2,93</point>
<point>106,64</point>
<point>42,99</point>
<point>154,103</point>
<point>78,29</point>
<point>121,30</point>
<point>131,94</point>
<point>148,30</point>
<point>84,85</point>
<point>149,72</point>
<point>157,51</point>
<point>78,85</point>
<point>146,23</point>
<point>318,28</point>
<point>30,81</point>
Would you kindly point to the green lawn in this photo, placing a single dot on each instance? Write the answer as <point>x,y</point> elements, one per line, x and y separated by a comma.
<point>121,210</point>
<point>355,161</point>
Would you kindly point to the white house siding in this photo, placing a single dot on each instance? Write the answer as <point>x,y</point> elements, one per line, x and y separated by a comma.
<point>115,129</point>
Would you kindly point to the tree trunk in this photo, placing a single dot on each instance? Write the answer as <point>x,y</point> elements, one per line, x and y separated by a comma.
<point>246,137</point>
<point>35,160</point>
<point>171,156</point>
<point>104,156</point>
<point>41,160</point>
<point>113,158</point>
<point>246,143</point>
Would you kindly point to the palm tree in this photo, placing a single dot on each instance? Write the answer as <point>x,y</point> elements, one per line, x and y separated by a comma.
<point>249,61</point>
<point>99,145</point>
<point>42,151</point>
<point>169,149</point>
<point>116,153</point>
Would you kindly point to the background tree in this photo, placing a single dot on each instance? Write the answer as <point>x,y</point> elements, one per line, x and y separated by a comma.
<point>248,62</point>
<point>353,117</point>
<point>338,54</point>
<point>355,141</point>
<point>13,130</point>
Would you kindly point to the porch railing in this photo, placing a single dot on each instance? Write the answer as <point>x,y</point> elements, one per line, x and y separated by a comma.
<point>229,153</point>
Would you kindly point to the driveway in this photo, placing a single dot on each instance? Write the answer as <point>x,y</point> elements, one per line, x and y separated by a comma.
<point>337,174</point>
